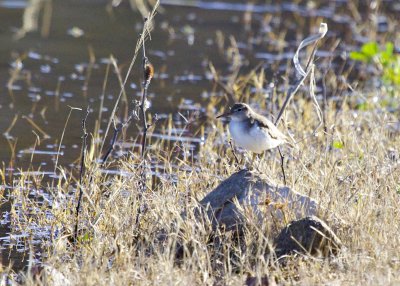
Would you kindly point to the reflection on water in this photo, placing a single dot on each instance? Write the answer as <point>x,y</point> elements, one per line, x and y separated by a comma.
<point>41,78</point>
<point>13,4</point>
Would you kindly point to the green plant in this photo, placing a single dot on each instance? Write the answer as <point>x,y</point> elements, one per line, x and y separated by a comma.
<point>337,144</point>
<point>385,60</point>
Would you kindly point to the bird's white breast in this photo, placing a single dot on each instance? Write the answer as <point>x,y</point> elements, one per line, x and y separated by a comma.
<point>253,139</point>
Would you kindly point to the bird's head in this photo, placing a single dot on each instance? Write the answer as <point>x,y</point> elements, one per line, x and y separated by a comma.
<point>238,112</point>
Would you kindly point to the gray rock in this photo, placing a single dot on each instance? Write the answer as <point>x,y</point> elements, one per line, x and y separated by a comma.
<point>250,190</point>
<point>263,281</point>
<point>309,235</point>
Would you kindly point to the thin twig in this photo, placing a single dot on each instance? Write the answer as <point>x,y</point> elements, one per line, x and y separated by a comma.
<point>81,173</point>
<point>325,102</point>
<point>233,151</point>
<point>117,130</point>
<point>292,91</point>
<point>143,108</point>
<point>312,39</point>
<point>62,136</point>
<point>148,72</point>
<point>282,166</point>
<point>143,37</point>
<point>34,125</point>
<point>46,22</point>
<point>323,84</point>
<point>103,91</point>
<point>116,104</point>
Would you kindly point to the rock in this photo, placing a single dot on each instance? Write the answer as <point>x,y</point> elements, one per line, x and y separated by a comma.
<point>263,281</point>
<point>307,235</point>
<point>46,274</point>
<point>246,190</point>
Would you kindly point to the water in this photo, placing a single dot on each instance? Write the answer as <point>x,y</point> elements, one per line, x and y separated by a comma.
<point>43,76</point>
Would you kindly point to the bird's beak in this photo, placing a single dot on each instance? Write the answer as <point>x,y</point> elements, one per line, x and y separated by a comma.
<point>226,114</point>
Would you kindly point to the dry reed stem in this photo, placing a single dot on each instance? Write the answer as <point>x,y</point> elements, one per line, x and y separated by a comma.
<point>62,135</point>
<point>139,43</point>
<point>81,174</point>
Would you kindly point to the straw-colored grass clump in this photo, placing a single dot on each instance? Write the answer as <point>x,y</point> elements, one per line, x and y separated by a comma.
<point>351,168</point>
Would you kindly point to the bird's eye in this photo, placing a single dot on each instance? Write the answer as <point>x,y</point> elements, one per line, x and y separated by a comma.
<point>239,109</point>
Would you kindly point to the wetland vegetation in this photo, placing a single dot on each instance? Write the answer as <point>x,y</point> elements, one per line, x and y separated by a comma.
<point>86,200</point>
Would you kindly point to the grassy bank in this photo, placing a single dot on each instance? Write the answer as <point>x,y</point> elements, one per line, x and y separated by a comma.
<point>131,229</point>
<point>352,169</point>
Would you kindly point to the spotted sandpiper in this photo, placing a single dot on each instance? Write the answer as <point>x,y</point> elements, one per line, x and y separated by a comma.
<point>251,130</point>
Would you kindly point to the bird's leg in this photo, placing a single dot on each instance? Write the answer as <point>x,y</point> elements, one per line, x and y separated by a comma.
<point>256,162</point>
<point>247,161</point>
<point>262,158</point>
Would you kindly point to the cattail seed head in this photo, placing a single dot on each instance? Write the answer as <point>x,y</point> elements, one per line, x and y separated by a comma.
<point>148,71</point>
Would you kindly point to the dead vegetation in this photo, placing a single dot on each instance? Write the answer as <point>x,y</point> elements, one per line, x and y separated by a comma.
<point>347,159</point>
<point>358,182</point>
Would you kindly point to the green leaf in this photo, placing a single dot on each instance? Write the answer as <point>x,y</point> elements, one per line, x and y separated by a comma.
<point>386,56</point>
<point>362,106</point>
<point>391,72</point>
<point>386,61</point>
<point>337,144</point>
<point>85,238</point>
<point>389,48</point>
<point>357,56</point>
<point>370,49</point>
<point>384,103</point>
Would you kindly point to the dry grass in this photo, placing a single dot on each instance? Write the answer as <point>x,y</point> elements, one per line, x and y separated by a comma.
<point>352,168</point>
<point>358,182</point>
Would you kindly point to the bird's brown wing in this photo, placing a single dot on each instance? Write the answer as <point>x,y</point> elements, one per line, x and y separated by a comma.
<point>272,130</point>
